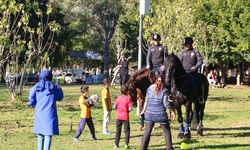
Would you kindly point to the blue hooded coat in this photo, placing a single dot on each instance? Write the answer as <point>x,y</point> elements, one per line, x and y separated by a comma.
<point>43,98</point>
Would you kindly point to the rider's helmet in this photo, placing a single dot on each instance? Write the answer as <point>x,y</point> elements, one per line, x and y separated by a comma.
<point>156,37</point>
<point>188,40</point>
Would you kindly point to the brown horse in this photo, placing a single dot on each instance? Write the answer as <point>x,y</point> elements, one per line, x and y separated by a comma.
<point>138,84</point>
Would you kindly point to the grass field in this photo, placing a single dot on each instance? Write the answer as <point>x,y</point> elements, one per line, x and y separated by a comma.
<point>226,122</point>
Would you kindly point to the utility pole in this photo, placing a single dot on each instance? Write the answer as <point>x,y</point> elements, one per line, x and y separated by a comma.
<point>144,10</point>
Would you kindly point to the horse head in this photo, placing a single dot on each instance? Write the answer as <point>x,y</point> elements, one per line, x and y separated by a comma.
<point>140,80</point>
<point>174,68</point>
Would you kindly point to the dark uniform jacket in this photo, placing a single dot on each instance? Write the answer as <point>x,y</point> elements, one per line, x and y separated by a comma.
<point>191,58</point>
<point>156,55</point>
<point>124,67</point>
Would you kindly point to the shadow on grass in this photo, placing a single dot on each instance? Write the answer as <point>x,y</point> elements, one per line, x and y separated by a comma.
<point>162,146</point>
<point>222,98</point>
<point>224,146</point>
<point>213,117</point>
<point>225,129</point>
<point>241,134</point>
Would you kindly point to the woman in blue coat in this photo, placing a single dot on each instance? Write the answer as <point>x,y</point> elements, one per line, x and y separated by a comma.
<point>43,98</point>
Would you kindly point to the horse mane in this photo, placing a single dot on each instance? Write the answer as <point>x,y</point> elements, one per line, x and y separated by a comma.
<point>138,75</point>
<point>176,60</point>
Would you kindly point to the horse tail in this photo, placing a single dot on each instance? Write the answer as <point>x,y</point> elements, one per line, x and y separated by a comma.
<point>205,85</point>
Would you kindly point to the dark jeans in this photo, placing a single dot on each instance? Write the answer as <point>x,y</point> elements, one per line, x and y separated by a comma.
<point>147,134</point>
<point>118,131</point>
<point>82,125</point>
<point>157,70</point>
<point>123,79</point>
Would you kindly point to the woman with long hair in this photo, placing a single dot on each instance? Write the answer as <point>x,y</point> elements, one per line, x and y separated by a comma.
<point>155,106</point>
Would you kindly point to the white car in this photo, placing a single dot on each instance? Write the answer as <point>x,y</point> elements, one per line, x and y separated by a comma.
<point>67,76</point>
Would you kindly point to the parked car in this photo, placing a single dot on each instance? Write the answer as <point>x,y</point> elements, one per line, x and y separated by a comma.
<point>67,76</point>
<point>31,77</point>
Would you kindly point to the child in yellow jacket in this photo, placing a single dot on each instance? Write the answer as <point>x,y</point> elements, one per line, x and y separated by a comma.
<point>107,106</point>
<point>85,115</point>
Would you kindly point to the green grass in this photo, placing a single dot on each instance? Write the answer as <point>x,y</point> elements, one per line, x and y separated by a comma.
<point>226,123</point>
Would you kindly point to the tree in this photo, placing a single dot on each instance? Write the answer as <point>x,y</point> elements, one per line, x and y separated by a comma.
<point>26,40</point>
<point>105,15</point>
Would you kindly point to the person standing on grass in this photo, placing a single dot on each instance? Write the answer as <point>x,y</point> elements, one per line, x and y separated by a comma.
<point>43,98</point>
<point>107,107</point>
<point>156,103</point>
<point>123,64</point>
<point>123,106</point>
<point>85,115</point>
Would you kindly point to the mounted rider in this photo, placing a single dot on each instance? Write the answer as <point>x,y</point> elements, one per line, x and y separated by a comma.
<point>156,55</point>
<point>192,61</point>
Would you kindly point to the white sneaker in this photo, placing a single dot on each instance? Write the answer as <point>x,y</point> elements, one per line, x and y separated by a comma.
<point>76,140</point>
<point>127,146</point>
<point>107,133</point>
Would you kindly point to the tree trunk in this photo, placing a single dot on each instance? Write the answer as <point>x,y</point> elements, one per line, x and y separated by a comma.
<point>106,59</point>
<point>224,69</point>
<point>3,72</point>
<point>239,74</point>
<point>238,78</point>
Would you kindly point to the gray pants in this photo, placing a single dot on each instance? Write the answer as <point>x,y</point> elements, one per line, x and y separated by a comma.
<point>147,134</point>
<point>106,120</point>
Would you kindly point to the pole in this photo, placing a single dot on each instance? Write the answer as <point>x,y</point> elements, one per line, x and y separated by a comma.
<point>140,44</point>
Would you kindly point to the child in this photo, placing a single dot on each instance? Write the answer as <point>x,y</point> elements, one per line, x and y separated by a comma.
<point>107,107</point>
<point>123,106</point>
<point>43,98</point>
<point>85,114</point>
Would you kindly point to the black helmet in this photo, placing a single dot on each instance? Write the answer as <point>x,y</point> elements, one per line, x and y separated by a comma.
<point>156,37</point>
<point>188,40</point>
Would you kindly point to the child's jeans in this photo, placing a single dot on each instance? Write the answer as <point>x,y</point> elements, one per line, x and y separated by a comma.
<point>82,125</point>
<point>43,142</point>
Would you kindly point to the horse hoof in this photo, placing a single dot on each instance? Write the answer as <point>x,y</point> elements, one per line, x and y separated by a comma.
<point>200,132</point>
<point>180,136</point>
<point>187,136</point>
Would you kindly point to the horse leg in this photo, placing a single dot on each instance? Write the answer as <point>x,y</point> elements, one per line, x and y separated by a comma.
<point>187,133</point>
<point>194,122</point>
<point>180,121</point>
<point>198,110</point>
<point>201,115</point>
